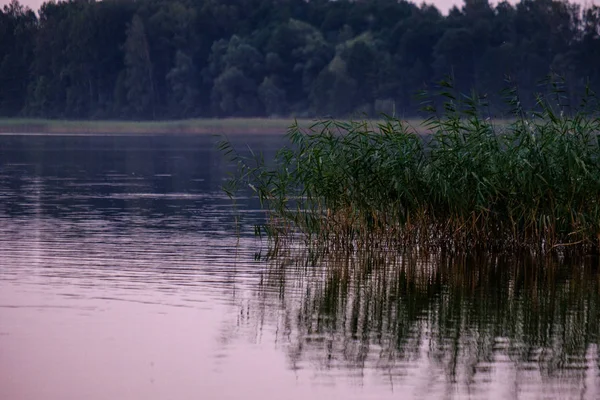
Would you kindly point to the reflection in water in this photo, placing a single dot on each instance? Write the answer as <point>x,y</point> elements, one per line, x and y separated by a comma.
<point>122,276</point>
<point>485,326</point>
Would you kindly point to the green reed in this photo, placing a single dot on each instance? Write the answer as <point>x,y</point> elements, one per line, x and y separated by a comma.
<point>532,181</point>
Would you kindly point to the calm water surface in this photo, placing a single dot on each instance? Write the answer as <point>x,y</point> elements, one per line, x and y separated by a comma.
<point>122,277</point>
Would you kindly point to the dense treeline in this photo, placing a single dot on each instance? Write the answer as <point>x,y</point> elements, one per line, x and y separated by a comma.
<point>153,59</point>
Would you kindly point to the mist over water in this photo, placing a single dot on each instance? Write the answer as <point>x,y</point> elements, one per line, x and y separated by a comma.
<point>122,276</point>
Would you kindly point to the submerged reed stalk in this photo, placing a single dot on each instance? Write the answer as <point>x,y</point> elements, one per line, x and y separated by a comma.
<point>531,182</point>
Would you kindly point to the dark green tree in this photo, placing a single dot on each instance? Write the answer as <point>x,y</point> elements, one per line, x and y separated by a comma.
<point>302,53</point>
<point>236,69</point>
<point>234,94</point>
<point>189,58</point>
<point>139,80</point>
<point>183,87</point>
<point>272,98</point>
<point>18,27</point>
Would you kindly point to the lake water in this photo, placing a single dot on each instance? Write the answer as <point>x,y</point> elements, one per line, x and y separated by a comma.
<point>123,276</point>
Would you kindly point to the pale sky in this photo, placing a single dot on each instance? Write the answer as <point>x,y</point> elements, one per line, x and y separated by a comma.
<point>443,5</point>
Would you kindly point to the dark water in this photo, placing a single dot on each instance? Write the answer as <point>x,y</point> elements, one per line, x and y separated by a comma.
<point>122,277</point>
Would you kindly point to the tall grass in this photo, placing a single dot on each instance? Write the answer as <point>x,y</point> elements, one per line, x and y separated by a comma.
<point>531,182</point>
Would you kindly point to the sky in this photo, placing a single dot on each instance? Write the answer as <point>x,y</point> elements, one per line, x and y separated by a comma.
<point>443,5</point>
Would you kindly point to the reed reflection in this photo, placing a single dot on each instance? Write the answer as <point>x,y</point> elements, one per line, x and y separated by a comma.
<point>468,318</point>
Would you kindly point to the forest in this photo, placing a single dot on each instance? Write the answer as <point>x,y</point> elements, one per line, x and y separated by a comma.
<point>176,59</point>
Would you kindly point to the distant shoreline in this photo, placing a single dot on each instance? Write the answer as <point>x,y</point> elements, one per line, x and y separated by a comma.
<point>199,126</point>
<point>208,126</point>
<point>16,126</point>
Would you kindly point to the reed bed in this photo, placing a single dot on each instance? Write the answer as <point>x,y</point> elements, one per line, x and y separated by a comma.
<point>531,182</point>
